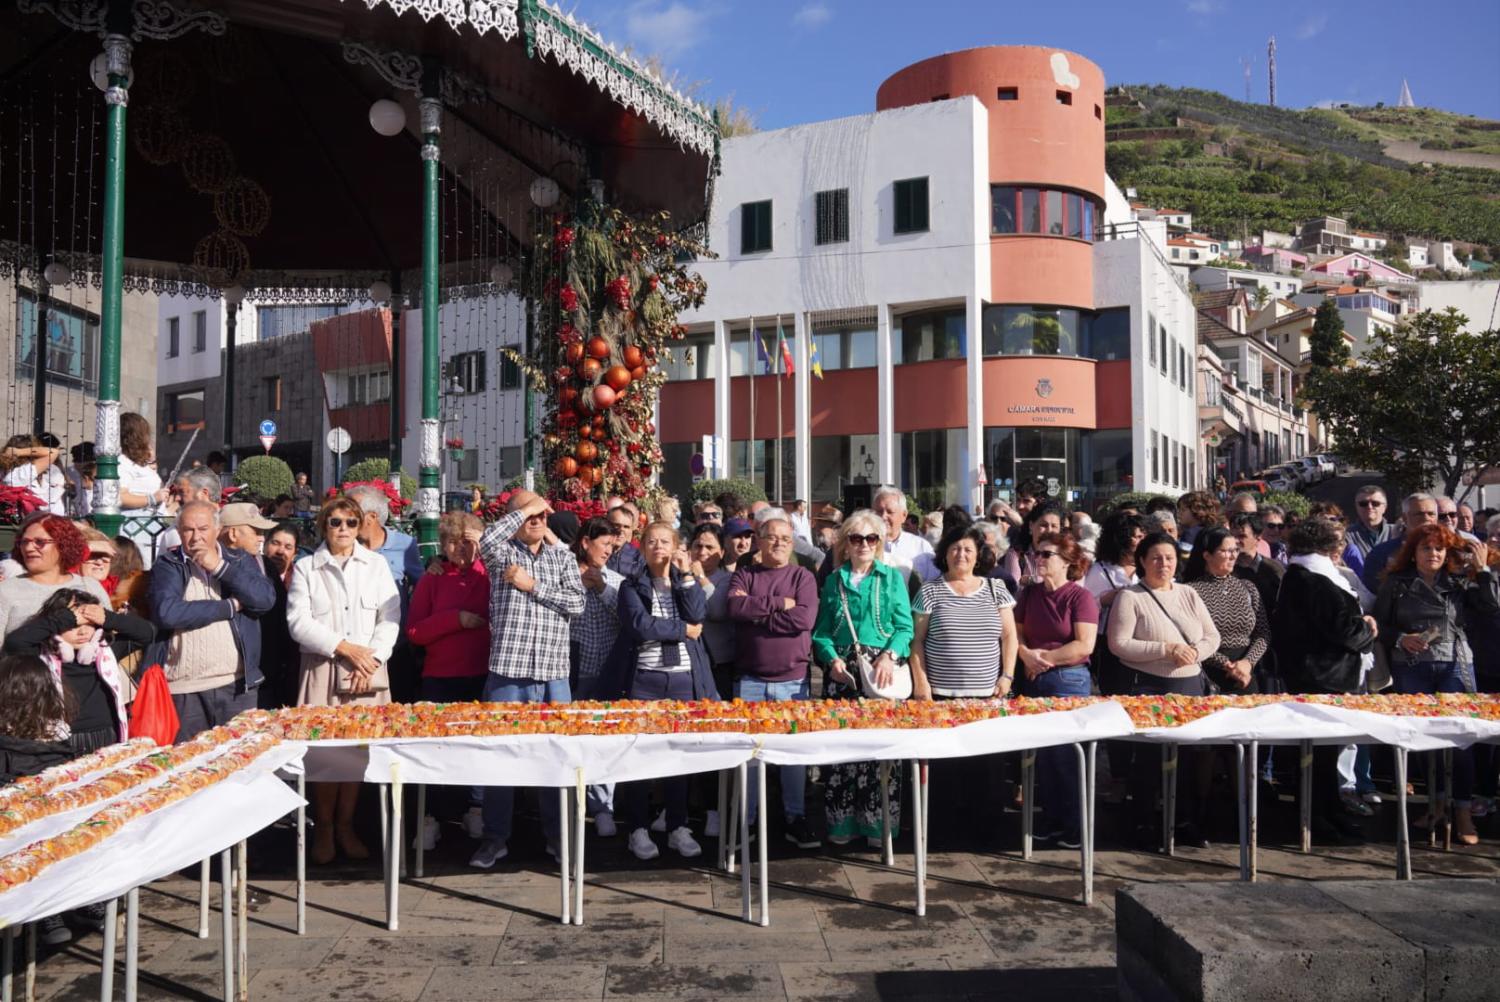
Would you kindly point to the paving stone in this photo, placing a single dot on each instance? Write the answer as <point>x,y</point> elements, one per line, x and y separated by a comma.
<point>413,951</point>
<point>1044,934</point>
<point>694,981</point>
<point>745,943</point>
<point>786,915</point>
<point>290,952</point>
<point>605,941</point>
<point>907,979</point>
<point>343,982</point>
<point>516,981</point>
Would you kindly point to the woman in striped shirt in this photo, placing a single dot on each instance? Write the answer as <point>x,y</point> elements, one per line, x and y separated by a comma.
<point>965,640</point>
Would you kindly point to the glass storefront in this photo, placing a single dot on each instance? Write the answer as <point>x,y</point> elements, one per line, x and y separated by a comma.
<point>840,460</point>
<point>934,466</point>
<point>1052,330</point>
<point>923,337</point>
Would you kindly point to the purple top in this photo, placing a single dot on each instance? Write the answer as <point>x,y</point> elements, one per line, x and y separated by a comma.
<point>773,643</point>
<point>1048,616</point>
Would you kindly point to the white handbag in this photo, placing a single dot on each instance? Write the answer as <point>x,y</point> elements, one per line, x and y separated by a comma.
<point>900,686</point>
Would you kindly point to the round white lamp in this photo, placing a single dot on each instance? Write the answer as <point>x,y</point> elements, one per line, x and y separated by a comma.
<point>380,291</point>
<point>501,273</point>
<point>387,117</point>
<point>57,273</point>
<point>544,193</point>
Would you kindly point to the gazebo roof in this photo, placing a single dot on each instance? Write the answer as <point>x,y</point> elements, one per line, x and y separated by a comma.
<point>282,97</point>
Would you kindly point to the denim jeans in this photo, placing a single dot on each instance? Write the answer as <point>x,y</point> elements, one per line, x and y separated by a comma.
<point>793,777</point>
<point>500,800</point>
<point>1057,768</point>
<point>1442,676</point>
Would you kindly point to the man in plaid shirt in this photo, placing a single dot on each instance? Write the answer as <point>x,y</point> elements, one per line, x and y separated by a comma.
<point>535,592</point>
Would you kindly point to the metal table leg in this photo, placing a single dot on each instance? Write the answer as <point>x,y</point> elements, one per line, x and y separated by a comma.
<point>919,832</point>
<point>743,812</point>
<point>887,843</point>
<point>580,826</point>
<point>1432,800</point>
<point>763,849</point>
<point>132,942</point>
<point>393,854</point>
<point>302,855</point>
<point>242,945</point>
<point>1169,800</point>
<point>1403,834</point>
<point>1304,793</point>
<point>107,954</point>
<point>203,899</point>
<point>1447,799</point>
<point>421,826</point>
<point>1088,815</point>
<point>8,959</point>
<point>1241,805</point>
<point>1028,793</point>
<point>564,855</point>
<point>725,826</point>
<point>1253,825</point>
<point>729,824</point>
<point>226,921</point>
<point>29,992</point>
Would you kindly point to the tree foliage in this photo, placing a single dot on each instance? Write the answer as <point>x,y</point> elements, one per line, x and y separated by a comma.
<point>264,476</point>
<point>1423,404</point>
<point>1327,345</point>
<point>747,491</point>
<point>379,469</point>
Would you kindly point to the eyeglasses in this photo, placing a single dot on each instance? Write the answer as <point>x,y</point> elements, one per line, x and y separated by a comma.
<point>778,540</point>
<point>1228,551</point>
<point>1046,554</point>
<point>870,540</point>
<point>1448,516</point>
<point>343,523</point>
<point>1370,503</point>
<point>40,542</point>
<point>712,516</point>
<point>1274,525</point>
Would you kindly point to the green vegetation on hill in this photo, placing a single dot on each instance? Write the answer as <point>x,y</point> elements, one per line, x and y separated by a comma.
<point>1240,168</point>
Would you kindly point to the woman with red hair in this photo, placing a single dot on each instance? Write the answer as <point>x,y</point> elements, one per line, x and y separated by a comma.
<point>52,550</point>
<point>1437,583</point>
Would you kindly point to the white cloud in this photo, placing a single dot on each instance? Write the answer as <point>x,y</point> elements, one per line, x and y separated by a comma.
<point>812,15</point>
<point>1312,27</point>
<point>665,29</point>
<point>1206,6</point>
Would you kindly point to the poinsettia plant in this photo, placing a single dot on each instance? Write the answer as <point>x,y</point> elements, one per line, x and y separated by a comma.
<point>384,486</point>
<point>16,503</point>
<point>584,509</point>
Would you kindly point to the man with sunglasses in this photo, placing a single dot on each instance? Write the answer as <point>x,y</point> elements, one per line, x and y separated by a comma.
<point>627,559</point>
<point>1417,510</point>
<point>1452,519</point>
<point>535,593</point>
<point>707,511</point>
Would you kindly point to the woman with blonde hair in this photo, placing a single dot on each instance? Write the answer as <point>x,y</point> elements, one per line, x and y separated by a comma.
<point>344,611</point>
<point>863,610</point>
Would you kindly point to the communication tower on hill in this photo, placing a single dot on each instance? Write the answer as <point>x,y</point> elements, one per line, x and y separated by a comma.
<point>1247,65</point>
<point>1271,67</point>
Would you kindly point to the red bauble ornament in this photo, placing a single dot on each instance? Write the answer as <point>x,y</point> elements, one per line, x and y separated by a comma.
<point>632,357</point>
<point>638,373</point>
<point>588,476</point>
<point>618,377</point>
<point>566,418</point>
<point>588,369</point>
<point>565,467</point>
<point>604,397</point>
<point>567,397</point>
<point>598,347</point>
<point>574,353</point>
<point>586,451</point>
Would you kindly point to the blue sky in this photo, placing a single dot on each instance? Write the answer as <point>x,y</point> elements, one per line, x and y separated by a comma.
<point>791,61</point>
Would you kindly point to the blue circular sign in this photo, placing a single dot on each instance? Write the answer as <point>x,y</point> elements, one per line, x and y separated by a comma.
<point>268,427</point>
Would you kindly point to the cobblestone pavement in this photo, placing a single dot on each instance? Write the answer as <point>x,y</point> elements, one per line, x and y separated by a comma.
<point>841,926</point>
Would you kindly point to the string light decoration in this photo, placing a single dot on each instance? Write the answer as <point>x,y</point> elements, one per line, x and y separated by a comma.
<point>207,164</point>
<point>243,208</point>
<point>223,256</point>
<point>606,316</point>
<point>158,133</point>
<point>164,76</point>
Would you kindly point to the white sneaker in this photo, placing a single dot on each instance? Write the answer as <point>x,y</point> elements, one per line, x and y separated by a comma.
<point>711,825</point>
<point>683,842</point>
<point>429,835</point>
<point>660,824</point>
<point>474,822</point>
<point>604,824</point>
<point>642,846</point>
<point>490,851</point>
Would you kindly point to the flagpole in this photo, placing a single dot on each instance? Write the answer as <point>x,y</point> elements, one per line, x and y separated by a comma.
<point>754,361</point>
<point>777,372</point>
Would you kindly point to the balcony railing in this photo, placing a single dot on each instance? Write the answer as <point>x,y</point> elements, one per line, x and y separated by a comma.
<point>1134,231</point>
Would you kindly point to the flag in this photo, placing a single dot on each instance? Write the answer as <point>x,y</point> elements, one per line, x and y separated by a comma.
<point>813,359</point>
<point>786,351</point>
<point>760,349</point>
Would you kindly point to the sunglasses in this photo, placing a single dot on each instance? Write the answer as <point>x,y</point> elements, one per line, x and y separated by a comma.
<point>1367,503</point>
<point>1274,525</point>
<point>343,523</point>
<point>1046,554</point>
<point>1448,516</point>
<point>869,540</point>
<point>97,557</point>
<point>712,516</point>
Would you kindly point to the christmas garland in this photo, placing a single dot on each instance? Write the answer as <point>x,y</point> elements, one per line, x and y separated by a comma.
<point>608,299</point>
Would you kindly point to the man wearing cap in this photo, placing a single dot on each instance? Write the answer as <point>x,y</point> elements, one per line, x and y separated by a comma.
<point>739,542</point>
<point>241,527</point>
<point>206,600</point>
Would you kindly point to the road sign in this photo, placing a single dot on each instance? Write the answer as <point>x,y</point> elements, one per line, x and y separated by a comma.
<point>268,428</point>
<point>267,441</point>
<point>338,441</point>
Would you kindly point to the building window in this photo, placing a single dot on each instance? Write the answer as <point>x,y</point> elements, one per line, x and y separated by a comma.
<point>273,392</point>
<point>184,411</point>
<point>1031,330</point>
<point>1164,353</point>
<point>1108,337</point>
<point>200,331</point>
<point>1064,97</point>
<point>911,205</point>
<point>755,227</point>
<point>1154,452</point>
<point>691,358</point>
<point>510,462</point>
<point>841,345</point>
<point>368,387</point>
<point>174,337</point>
<point>1031,210</point>
<point>832,210</point>
<point>1007,94</point>
<point>1182,368</point>
<point>1098,113</point>
<point>468,466</point>
<point>466,372</point>
<point>1151,337</point>
<point>510,373</point>
<point>929,336</point>
<point>933,466</point>
<point>70,344</point>
<point>1055,213</point>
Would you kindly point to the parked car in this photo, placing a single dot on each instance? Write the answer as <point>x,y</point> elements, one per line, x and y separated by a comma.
<point>1329,463</point>
<point>1341,467</point>
<point>1312,469</point>
<point>1281,479</point>
<point>1257,487</point>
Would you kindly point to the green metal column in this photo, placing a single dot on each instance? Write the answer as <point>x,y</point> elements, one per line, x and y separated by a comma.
<point>428,487</point>
<point>107,421</point>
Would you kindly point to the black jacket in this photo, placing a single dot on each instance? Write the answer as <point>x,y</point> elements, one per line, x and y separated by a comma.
<point>1266,575</point>
<point>638,625</point>
<point>27,758</point>
<point>280,658</point>
<point>127,632</point>
<point>240,578</point>
<point>1318,634</point>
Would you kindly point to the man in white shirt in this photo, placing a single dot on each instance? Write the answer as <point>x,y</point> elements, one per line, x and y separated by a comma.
<point>901,547</point>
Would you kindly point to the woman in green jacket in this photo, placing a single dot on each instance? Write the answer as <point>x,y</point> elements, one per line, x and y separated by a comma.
<point>875,597</point>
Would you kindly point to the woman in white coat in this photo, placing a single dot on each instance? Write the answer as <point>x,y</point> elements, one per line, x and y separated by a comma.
<point>344,611</point>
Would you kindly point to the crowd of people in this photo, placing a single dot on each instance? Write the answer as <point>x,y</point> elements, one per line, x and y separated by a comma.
<point>757,602</point>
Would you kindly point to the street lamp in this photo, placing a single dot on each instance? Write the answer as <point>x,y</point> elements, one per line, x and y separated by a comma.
<point>545,193</point>
<point>379,291</point>
<point>387,117</point>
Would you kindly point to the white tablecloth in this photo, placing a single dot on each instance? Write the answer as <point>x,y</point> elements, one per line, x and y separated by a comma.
<point>1292,723</point>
